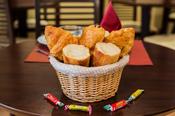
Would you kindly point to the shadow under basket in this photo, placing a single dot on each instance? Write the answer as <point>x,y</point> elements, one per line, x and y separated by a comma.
<point>89,84</point>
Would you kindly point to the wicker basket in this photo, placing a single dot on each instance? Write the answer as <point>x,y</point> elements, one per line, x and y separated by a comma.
<point>89,84</point>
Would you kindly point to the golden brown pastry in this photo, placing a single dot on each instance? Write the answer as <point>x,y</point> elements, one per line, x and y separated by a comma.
<point>52,35</point>
<point>105,53</point>
<point>76,54</point>
<point>91,35</point>
<point>123,38</point>
<point>127,48</point>
<point>57,38</point>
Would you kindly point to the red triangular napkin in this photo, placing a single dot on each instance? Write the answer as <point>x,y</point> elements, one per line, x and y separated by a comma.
<point>139,55</point>
<point>110,19</point>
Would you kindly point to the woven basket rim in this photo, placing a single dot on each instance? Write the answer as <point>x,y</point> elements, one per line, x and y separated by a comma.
<point>76,70</point>
<point>77,66</point>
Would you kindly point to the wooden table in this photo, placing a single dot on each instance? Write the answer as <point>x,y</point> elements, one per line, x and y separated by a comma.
<point>146,12</point>
<point>22,85</point>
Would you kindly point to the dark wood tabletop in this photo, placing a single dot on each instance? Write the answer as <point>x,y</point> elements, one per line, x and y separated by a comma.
<point>22,85</point>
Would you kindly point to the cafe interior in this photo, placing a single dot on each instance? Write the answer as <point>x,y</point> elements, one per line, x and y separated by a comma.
<point>80,57</point>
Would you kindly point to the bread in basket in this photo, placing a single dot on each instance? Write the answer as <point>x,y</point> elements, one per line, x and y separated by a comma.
<point>91,74</point>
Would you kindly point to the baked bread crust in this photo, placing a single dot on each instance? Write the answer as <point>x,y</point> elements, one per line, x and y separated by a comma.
<point>52,35</point>
<point>96,46</point>
<point>57,38</point>
<point>91,35</point>
<point>123,38</point>
<point>105,53</point>
<point>76,55</point>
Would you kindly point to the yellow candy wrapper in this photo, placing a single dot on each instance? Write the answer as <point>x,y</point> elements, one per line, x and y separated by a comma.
<point>78,107</point>
<point>135,95</point>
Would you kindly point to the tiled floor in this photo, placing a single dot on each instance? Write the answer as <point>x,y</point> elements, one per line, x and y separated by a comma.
<point>162,40</point>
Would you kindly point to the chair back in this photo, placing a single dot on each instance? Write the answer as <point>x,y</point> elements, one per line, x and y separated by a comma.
<point>66,12</point>
<point>6,30</point>
<point>125,12</point>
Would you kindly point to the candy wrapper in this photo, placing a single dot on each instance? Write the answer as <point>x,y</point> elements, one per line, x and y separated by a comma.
<point>78,107</point>
<point>115,106</point>
<point>135,95</point>
<point>120,104</point>
<point>53,99</point>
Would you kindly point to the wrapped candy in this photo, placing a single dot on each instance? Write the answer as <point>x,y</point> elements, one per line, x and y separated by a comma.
<point>123,103</point>
<point>53,99</point>
<point>78,107</point>
<point>115,106</point>
<point>135,95</point>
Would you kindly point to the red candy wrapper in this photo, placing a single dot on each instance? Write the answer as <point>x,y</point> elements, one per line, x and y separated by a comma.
<point>115,106</point>
<point>53,99</point>
<point>118,105</point>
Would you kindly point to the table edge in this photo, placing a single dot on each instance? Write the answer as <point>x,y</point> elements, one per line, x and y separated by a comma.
<point>15,110</point>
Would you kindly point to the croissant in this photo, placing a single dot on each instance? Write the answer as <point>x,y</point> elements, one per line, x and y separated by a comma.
<point>52,35</point>
<point>123,38</point>
<point>57,38</point>
<point>91,35</point>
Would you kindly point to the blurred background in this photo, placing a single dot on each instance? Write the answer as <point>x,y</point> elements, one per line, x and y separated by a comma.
<point>27,18</point>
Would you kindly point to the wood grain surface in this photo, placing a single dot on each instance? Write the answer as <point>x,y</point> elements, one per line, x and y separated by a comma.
<point>22,85</point>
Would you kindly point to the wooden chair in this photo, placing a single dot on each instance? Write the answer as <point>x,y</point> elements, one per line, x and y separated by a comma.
<point>6,30</point>
<point>127,15</point>
<point>172,18</point>
<point>66,12</point>
<point>166,39</point>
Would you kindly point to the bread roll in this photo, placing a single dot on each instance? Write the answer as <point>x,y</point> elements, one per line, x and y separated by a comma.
<point>76,54</point>
<point>91,35</point>
<point>105,53</point>
<point>123,38</point>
